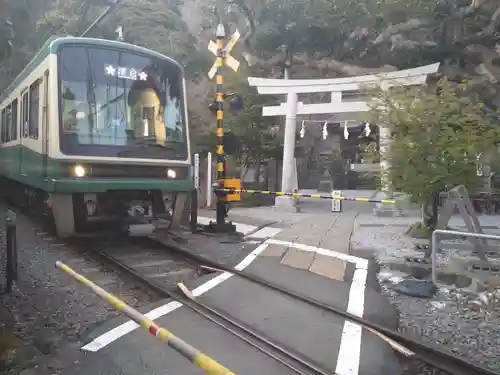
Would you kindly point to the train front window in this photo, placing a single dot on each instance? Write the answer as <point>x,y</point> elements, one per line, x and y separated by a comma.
<point>117,103</point>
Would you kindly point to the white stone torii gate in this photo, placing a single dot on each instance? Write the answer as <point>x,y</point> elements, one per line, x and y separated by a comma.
<point>340,110</point>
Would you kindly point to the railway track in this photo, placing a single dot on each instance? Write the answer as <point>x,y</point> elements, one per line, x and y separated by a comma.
<point>161,266</point>
<point>151,263</point>
<point>409,348</point>
<point>147,257</point>
<point>284,355</point>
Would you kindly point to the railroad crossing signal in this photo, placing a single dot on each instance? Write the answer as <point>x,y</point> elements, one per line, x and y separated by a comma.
<point>228,59</point>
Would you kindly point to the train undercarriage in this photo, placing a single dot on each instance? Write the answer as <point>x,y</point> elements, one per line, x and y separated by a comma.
<point>133,212</point>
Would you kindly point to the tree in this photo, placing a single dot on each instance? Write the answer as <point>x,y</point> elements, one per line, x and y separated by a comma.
<point>347,37</point>
<point>257,137</point>
<point>438,135</point>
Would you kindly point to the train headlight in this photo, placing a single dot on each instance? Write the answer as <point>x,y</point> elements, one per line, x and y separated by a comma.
<point>79,171</point>
<point>171,173</point>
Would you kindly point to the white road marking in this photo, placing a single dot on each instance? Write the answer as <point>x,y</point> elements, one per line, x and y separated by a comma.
<point>350,342</point>
<point>265,232</point>
<point>252,242</point>
<point>120,331</point>
<point>113,335</point>
<point>360,262</point>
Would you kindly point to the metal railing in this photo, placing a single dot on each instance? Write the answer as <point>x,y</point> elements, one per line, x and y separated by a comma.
<point>434,245</point>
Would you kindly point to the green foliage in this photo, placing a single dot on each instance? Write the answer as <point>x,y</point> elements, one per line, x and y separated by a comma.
<point>258,135</point>
<point>154,24</point>
<point>158,25</point>
<point>370,153</point>
<point>437,135</point>
<point>15,24</point>
<point>68,17</point>
<point>323,26</point>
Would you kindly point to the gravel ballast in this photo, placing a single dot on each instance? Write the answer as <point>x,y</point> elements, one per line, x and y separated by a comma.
<point>454,319</point>
<point>48,311</point>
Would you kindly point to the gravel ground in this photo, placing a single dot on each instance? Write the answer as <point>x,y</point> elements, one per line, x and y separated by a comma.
<point>454,319</point>
<point>47,311</point>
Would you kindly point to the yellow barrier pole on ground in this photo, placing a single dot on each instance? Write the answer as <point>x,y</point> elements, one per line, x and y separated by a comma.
<point>201,360</point>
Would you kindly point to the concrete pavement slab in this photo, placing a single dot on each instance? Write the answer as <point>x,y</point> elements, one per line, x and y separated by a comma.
<point>274,251</point>
<point>235,217</point>
<point>93,364</point>
<point>270,214</point>
<point>328,267</point>
<point>321,336</point>
<point>142,351</point>
<point>298,259</point>
<point>325,290</point>
<point>331,231</point>
<point>294,324</point>
<point>316,334</point>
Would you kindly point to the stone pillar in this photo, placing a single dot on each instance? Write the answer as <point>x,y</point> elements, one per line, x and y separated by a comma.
<point>387,191</point>
<point>288,179</point>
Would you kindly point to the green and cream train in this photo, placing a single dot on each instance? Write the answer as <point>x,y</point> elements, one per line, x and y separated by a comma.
<point>94,134</point>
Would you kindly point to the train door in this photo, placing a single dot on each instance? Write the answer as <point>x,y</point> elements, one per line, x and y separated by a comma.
<point>24,130</point>
<point>45,125</point>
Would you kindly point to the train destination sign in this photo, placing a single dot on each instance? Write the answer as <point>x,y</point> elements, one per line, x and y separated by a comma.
<point>125,73</point>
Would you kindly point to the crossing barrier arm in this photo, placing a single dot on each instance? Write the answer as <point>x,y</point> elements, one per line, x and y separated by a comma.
<point>204,362</point>
<point>297,195</point>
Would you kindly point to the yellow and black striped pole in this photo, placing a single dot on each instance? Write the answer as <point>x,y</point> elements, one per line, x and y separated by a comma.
<point>202,361</point>
<point>297,195</point>
<point>221,209</point>
<point>219,98</point>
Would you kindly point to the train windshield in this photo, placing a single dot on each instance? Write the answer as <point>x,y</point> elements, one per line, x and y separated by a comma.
<point>119,103</point>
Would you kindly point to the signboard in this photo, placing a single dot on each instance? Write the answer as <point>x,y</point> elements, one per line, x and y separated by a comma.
<point>228,59</point>
<point>233,183</point>
<point>196,171</point>
<point>125,73</point>
<point>336,203</point>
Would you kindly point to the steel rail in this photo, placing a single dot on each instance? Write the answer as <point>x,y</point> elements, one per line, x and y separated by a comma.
<point>430,355</point>
<point>285,355</point>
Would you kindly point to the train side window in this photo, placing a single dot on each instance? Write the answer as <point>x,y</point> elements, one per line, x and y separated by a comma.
<point>25,115</point>
<point>8,123</point>
<point>14,124</point>
<point>34,110</point>
<point>3,124</point>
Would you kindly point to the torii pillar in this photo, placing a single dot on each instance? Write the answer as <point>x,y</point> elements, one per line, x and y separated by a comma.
<point>339,109</point>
